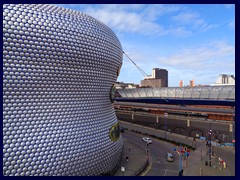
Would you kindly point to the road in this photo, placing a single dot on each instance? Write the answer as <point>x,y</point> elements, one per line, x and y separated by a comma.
<point>193,127</point>
<point>196,159</point>
<point>157,148</point>
<point>228,155</point>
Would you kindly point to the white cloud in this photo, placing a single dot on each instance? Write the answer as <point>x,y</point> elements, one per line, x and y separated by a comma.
<point>194,20</point>
<point>203,65</point>
<point>125,21</point>
<point>205,57</point>
<point>180,32</point>
<point>146,19</point>
<point>122,7</point>
<point>153,12</point>
<point>186,18</point>
<point>141,19</point>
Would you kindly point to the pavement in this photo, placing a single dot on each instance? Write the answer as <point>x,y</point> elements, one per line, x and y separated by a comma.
<point>138,160</point>
<point>199,164</point>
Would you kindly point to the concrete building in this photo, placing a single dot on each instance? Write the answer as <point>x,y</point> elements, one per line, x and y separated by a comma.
<point>156,83</point>
<point>158,79</point>
<point>122,85</point>
<point>225,79</point>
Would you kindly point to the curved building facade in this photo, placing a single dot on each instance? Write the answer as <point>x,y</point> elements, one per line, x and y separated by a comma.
<point>59,66</point>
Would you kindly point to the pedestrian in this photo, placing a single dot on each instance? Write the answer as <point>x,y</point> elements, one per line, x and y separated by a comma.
<point>127,158</point>
<point>129,148</point>
<point>220,142</point>
<point>158,160</point>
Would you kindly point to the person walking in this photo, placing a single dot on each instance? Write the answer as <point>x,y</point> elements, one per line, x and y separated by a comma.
<point>127,158</point>
<point>207,144</point>
<point>158,160</point>
<point>129,148</point>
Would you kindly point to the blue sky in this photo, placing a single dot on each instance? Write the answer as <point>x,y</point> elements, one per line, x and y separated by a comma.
<point>191,41</point>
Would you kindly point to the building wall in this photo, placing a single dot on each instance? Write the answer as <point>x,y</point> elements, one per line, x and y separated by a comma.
<point>158,79</point>
<point>58,69</point>
<point>156,83</point>
<point>225,79</point>
<point>161,74</point>
<point>121,85</point>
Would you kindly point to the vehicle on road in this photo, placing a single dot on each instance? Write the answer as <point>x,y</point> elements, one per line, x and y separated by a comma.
<point>147,140</point>
<point>169,157</point>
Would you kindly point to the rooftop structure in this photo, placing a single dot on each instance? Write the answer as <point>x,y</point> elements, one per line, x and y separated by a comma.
<point>204,92</point>
<point>225,79</point>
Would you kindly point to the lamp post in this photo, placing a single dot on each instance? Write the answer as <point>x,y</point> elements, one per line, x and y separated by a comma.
<point>233,132</point>
<point>165,118</point>
<point>132,118</point>
<point>180,161</point>
<point>210,144</point>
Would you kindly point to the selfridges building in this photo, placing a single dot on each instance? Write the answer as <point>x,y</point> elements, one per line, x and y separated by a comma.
<point>59,67</point>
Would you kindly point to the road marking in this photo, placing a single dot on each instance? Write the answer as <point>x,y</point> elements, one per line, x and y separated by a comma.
<point>165,171</point>
<point>169,171</point>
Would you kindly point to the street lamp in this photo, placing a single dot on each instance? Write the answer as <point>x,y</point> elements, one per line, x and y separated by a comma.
<point>233,132</point>
<point>165,118</point>
<point>210,144</point>
<point>180,161</point>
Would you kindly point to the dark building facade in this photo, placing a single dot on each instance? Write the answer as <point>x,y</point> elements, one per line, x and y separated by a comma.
<point>161,74</point>
<point>158,79</point>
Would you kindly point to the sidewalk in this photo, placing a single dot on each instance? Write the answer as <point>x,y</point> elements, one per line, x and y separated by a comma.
<point>197,164</point>
<point>137,160</point>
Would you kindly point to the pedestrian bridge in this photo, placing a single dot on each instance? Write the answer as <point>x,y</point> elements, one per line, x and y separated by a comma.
<point>226,92</point>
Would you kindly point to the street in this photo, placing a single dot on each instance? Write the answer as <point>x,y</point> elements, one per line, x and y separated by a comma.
<point>193,166</point>
<point>156,149</point>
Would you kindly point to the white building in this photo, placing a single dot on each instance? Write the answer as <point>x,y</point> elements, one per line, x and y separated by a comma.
<point>122,85</point>
<point>225,79</point>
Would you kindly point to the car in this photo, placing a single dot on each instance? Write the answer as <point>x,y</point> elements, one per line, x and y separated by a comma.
<point>147,140</point>
<point>122,129</point>
<point>169,157</point>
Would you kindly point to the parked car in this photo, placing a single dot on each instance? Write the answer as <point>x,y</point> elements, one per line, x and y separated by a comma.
<point>122,129</point>
<point>169,157</point>
<point>147,140</point>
